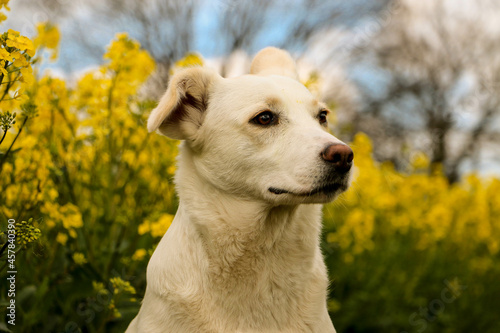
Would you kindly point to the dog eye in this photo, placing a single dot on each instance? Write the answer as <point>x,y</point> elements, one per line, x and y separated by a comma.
<point>265,118</point>
<point>322,117</point>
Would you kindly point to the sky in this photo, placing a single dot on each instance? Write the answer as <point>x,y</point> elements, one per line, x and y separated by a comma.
<point>25,14</point>
<point>357,32</point>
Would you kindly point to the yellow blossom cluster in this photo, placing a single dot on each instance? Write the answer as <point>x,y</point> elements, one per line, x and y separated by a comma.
<point>48,37</point>
<point>16,72</point>
<point>99,287</point>
<point>117,287</point>
<point>26,233</point>
<point>395,236</point>
<point>139,254</point>
<point>121,286</point>
<point>383,201</point>
<point>189,60</point>
<point>156,228</point>
<point>128,66</point>
<point>86,168</point>
<point>79,258</point>
<point>4,4</point>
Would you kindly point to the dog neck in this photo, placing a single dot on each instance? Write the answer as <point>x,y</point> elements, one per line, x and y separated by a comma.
<point>239,235</point>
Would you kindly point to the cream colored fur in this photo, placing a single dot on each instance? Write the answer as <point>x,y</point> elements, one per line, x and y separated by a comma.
<point>238,257</point>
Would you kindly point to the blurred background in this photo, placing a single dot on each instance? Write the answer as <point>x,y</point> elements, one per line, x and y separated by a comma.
<point>414,87</point>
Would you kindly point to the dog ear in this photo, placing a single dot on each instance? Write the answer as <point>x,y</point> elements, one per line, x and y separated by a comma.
<point>180,111</point>
<point>272,60</point>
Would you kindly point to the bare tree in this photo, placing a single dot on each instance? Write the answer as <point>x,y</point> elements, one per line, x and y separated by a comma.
<point>168,29</point>
<point>440,63</point>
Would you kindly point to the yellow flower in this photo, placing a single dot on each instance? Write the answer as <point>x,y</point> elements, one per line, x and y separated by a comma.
<point>129,61</point>
<point>11,194</point>
<point>190,60</point>
<point>157,228</point>
<point>121,286</point>
<point>72,233</point>
<point>362,145</point>
<point>48,37</point>
<point>5,55</point>
<point>143,228</point>
<point>171,169</point>
<point>139,254</point>
<point>62,238</point>
<point>15,40</point>
<point>2,68</point>
<point>99,287</point>
<point>4,4</point>
<point>129,157</point>
<point>72,216</point>
<point>79,258</point>
<point>50,223</point>
<point>420,161</point>
<point>53,194</point>
<point>7,167</point>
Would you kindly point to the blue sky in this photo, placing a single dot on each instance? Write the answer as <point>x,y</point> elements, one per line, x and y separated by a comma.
<point>208,41</point>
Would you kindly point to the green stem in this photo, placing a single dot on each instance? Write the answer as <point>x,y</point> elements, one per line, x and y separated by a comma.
<point>15,80</point>
<point>3,266</point>
<point>110,114</point>
<point>114,254</point>
<point>3,137</point>
<point>63,115</point>
<point>7,88</point>
<point>5,67</point>
<point>3,248</point>
<point>4,157</point>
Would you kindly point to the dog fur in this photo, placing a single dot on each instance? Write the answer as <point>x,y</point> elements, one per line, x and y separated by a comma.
<point>242,254</point>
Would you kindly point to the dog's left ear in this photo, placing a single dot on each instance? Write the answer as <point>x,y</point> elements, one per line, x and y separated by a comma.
<point>181,109</point>
<point>274,61</point>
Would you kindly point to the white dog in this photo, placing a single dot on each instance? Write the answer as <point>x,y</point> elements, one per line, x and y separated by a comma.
<point>256,161</point>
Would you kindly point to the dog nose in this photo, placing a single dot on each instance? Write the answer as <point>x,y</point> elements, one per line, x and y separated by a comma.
<point>339,155</point>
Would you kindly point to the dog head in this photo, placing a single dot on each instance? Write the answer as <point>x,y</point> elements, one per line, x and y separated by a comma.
<point>261,136</point>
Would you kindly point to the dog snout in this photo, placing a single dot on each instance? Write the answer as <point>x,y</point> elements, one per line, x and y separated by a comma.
<point>339,155</point>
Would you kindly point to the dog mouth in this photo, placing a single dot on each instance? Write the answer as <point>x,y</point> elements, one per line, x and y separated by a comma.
<point>327,189</point>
